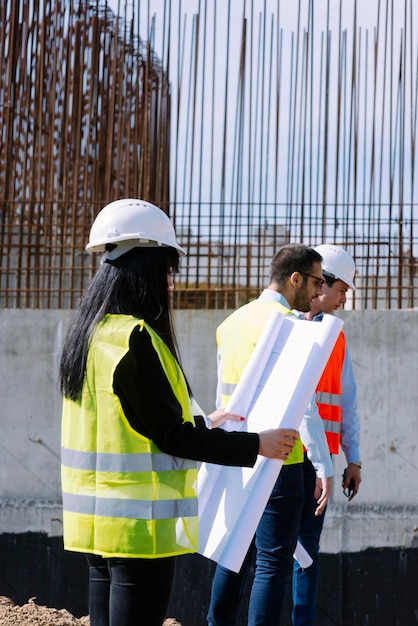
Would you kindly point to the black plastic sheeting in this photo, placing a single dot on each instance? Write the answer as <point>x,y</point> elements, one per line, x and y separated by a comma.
<point>377,587</point>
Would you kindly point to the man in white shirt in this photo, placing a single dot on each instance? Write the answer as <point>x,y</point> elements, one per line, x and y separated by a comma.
<point>295,282</point>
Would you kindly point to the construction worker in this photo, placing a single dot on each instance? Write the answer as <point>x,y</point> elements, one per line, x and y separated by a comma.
<point>336,400</point>
<point>130,441</point>
<point>295,282</point>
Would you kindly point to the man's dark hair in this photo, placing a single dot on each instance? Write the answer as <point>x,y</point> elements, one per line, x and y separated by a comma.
<point>330,280</point>
<point>294,257</point>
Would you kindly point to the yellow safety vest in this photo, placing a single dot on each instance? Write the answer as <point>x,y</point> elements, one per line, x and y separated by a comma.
<point>122,496</point>
<point>236,338</point>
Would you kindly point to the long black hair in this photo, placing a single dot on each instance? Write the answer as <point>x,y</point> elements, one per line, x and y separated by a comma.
<point>133,284</point>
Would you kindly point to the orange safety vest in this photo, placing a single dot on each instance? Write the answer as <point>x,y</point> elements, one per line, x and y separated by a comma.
<point>328,395</point>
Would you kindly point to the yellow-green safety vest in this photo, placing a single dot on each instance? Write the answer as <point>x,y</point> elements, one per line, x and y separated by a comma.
<point>122,496</point>
<point>236,338</point>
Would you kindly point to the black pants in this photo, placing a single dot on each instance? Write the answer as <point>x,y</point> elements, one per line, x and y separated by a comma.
<point>275,541</point>
<point>129,592</point>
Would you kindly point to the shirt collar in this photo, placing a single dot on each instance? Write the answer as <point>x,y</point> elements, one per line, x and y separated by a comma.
<point>318,317</point>
<point>270,295</point>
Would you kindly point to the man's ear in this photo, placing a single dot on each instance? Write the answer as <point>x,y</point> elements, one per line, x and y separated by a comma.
<point>296,279</point>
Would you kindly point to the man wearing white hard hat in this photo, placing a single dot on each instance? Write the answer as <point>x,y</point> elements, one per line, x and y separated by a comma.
<point>336,400</point>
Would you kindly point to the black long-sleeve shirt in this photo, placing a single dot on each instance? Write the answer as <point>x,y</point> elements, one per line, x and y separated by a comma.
<point>153,410</point>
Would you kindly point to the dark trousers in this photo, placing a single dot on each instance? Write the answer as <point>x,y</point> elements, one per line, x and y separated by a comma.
<point>275,542</point>
<point>305,581</point>
<point>128,592</point>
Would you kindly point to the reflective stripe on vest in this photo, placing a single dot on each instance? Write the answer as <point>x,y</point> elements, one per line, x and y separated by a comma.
<point>227,389</point>
<point>122,496</point>
<point>324,397</point>
<point>332,427</point>
<point>94,461</point>
<point>236,338</point>
<point>129,509</point>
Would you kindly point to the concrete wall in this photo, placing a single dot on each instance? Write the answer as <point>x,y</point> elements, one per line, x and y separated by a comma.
<point>384,348</point>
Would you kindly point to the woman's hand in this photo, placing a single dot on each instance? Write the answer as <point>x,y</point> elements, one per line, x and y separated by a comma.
<point>220,416</point>
<point>277,443</point>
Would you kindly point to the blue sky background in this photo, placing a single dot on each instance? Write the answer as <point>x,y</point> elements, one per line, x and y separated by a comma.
<point>322,115</point>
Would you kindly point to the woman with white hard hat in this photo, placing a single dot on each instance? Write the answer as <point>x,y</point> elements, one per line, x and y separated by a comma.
<point>130,439</point>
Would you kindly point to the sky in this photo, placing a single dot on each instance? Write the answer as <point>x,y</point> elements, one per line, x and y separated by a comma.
<point>323,106</point>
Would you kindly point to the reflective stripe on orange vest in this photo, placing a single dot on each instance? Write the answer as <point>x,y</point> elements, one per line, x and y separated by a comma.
<point>324,397</point>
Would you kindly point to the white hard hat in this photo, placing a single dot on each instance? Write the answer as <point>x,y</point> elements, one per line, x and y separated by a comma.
<point>337,263</point>
<point>131,223</point>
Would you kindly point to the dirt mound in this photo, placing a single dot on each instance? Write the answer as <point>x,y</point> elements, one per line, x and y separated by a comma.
<point>31,614</point>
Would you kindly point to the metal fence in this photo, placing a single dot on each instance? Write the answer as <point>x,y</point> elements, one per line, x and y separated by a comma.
<point>250,123</point>
<point>225,272</point>
<point>84,115</point>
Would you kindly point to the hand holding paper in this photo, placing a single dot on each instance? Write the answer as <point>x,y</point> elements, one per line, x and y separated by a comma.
<point>277,443</point>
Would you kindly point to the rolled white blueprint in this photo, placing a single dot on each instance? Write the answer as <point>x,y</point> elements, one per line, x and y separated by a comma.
<point>276,387</point>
